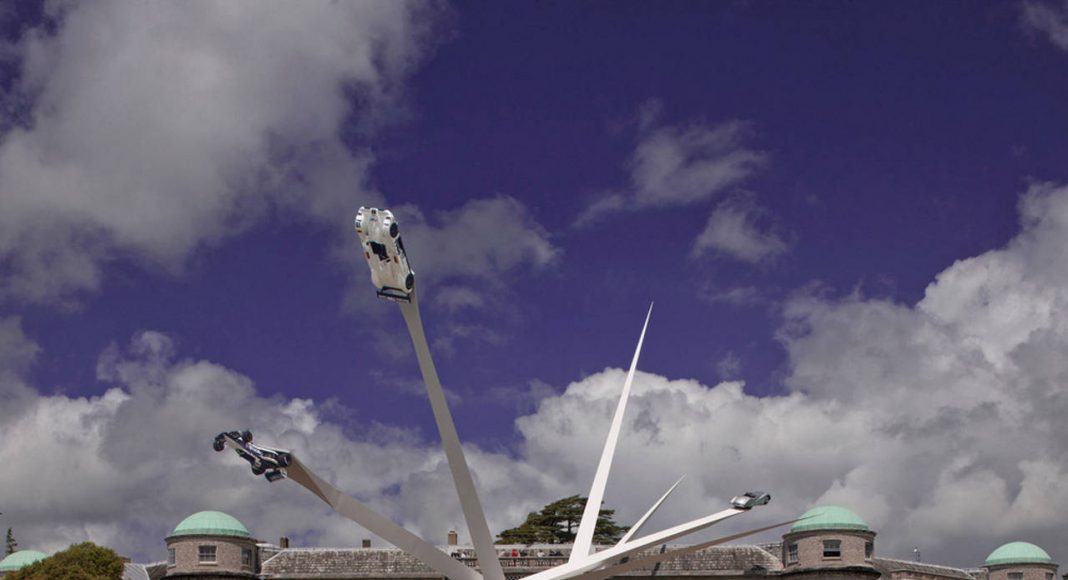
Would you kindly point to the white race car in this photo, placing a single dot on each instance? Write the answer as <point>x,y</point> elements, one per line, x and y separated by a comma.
<point>384,250</point>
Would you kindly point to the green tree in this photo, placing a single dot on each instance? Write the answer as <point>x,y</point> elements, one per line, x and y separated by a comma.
<point>10,545</point>
<point>85,561</point>
<point>557,523</point>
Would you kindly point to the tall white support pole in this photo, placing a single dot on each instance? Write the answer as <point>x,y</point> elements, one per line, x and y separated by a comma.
<point>461,475</point>
<point>378,524</point>
<point>584,536</point>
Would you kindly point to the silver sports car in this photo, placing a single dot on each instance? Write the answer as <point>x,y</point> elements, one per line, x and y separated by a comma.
<point>384,250</point>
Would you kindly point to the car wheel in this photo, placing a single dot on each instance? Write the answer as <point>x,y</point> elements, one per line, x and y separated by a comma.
<point>283,460</point>
<point>246,436</point>
<point>218,444</point>
<point>393,230</point>
<point>258,468</point>
<point>409,281</point>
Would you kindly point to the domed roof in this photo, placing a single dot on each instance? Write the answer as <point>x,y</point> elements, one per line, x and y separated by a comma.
<point>1018,553</point>
<point>211,523</point>
<point>829,517</point>
<point>21,559</point>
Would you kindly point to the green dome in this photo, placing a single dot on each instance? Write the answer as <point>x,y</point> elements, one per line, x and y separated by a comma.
<point>829,517</point>
<point>211,524</point>
<point>1018,553</point>
<point>20,560</point>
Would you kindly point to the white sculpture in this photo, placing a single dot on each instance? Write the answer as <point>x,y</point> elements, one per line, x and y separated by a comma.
<point>582,564</point>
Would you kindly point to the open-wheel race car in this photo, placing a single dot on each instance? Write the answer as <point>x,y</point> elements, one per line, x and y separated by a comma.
<point>266,461</point>
<point>382,246</point>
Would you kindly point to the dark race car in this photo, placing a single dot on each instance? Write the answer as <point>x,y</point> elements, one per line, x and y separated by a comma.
<point>265,461</point>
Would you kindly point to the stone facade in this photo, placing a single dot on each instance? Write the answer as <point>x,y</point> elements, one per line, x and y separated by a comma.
<point>1024,571</point>
<point>826,549</point>
<point>228,562</point>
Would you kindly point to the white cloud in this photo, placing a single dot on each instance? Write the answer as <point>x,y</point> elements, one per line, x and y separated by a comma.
<point>158,129</point>
<point>729,366</point>
<point>1047,19</point>
<point>734,229</point>
<point>477,243</point>
<point>735,295</point>
<point>679,165</point>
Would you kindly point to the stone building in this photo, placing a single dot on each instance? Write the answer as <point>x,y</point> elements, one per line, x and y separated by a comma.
<point>827,543</point>
<point>211,544</point>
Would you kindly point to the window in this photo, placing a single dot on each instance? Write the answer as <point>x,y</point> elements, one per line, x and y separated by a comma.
<point>1049,575</point>
<point>207,554</point>
<point>869,549</point>
<point>791,554</point>
<point>246,557</point>
<point>1015,575</point>
<point>170,556</point>
<point>833,549</point>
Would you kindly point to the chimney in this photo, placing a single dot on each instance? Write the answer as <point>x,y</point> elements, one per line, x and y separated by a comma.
<point>366,543</point>
<point>454,538</point>
<point>283,542</point>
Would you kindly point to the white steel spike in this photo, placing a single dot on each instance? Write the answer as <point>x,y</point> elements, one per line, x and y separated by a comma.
<point>641,522</point>
<point>584,536</point>
<point>450,441</point>
<point>378,524</point>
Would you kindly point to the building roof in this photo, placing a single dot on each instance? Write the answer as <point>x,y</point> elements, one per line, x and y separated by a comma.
<point>829,517</point>
<point>392,562</point>
<point>1018,553</point>
<point>345,563</point>
<point>888,565</point>
<point>20,559</point>
<point>211,523</point>
<point>733,559</point>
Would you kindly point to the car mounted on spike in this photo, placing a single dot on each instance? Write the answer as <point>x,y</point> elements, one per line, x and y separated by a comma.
<point>750,499</point>
<point>266,461</point>
<point>384,250</point>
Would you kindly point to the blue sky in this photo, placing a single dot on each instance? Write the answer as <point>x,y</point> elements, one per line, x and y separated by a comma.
<point>177,190</point>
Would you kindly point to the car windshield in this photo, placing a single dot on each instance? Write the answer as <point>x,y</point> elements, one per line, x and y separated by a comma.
<point>379,250</point>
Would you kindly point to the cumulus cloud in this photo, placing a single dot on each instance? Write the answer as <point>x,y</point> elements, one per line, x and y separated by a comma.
<point>679,165</point>
<point>154,130</point>
<point>734,229</point>
<point>478,242</point>
<point>1047,19</point>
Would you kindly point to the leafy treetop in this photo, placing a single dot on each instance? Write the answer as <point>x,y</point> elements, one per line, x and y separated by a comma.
<point>557,523</point>
<point>85,561</point>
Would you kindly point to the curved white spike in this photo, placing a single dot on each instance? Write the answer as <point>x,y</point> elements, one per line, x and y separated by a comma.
<point>584,536</point>
<point>641,522</point>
